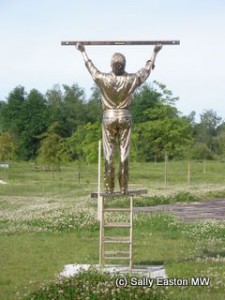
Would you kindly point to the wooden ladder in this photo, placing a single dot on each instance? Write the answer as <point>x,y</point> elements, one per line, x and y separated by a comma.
<point>107,240</point>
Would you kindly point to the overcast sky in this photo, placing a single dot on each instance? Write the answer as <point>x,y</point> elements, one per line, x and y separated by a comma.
<point>31,54</point>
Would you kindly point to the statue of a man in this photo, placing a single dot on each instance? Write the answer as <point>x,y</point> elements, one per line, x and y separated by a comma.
<point>116,89</point>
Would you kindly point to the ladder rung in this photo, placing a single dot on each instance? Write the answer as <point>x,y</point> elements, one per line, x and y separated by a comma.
<point>117,210</point>
<point>117,240</point>
<point>117,257</point>
<point>117,252</point>
<point>118,225</point>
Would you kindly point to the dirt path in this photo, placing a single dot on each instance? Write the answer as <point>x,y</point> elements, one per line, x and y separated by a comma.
<point>205,210</point>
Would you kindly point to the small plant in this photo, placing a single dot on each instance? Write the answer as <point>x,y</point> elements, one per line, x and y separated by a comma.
<point>94,285</point>
<point>166,199</point>
<point>184,197</point>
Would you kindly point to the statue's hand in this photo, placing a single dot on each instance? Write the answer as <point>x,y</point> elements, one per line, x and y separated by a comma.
<point>80,47</point>
<point>157,48</point>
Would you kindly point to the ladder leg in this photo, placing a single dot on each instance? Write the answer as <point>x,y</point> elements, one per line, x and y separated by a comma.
<point>101,238</point>
<point>131,233</point>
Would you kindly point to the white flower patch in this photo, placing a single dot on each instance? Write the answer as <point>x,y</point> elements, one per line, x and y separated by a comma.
<point>46,215</point>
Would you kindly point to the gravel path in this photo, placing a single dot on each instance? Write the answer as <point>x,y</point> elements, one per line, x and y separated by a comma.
<point>205,210</point>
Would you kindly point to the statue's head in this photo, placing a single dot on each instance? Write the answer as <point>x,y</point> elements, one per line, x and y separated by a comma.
<point>118,64</point>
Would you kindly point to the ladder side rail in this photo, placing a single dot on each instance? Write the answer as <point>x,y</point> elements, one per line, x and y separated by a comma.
<point>101,239</point>
<point>131,233</point>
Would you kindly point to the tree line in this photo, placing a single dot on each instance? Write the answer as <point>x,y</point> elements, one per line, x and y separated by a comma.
<point>63,125</point>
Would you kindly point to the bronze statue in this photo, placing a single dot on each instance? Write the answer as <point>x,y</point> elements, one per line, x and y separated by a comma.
<point>116,89</point>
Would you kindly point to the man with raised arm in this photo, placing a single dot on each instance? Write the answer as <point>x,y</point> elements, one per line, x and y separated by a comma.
<point>116,89</point>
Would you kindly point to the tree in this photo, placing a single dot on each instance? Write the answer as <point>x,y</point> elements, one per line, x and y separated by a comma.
<point>84,142</point>
<point>13,110</point>
<point>145,98</point>
<point>36,122</point>
<point>207,129</point>
<point>13,118</point>
<point>7,147</point>
<point>93,106</point>
<point>54,99</point>
<point>25,116</point>
<point>2,106</point>
<point>168,134</point>
<point>201,151</point>
<point>50,150</point>
<point>73,108</point>
<point>219,144</point>
<point>165,132</point>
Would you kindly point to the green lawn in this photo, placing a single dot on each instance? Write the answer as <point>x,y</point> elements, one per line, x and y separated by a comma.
<point>47,221</point>
<point>35,257</point>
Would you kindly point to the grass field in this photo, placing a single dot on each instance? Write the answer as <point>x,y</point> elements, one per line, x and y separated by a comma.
<point>47,221</point>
